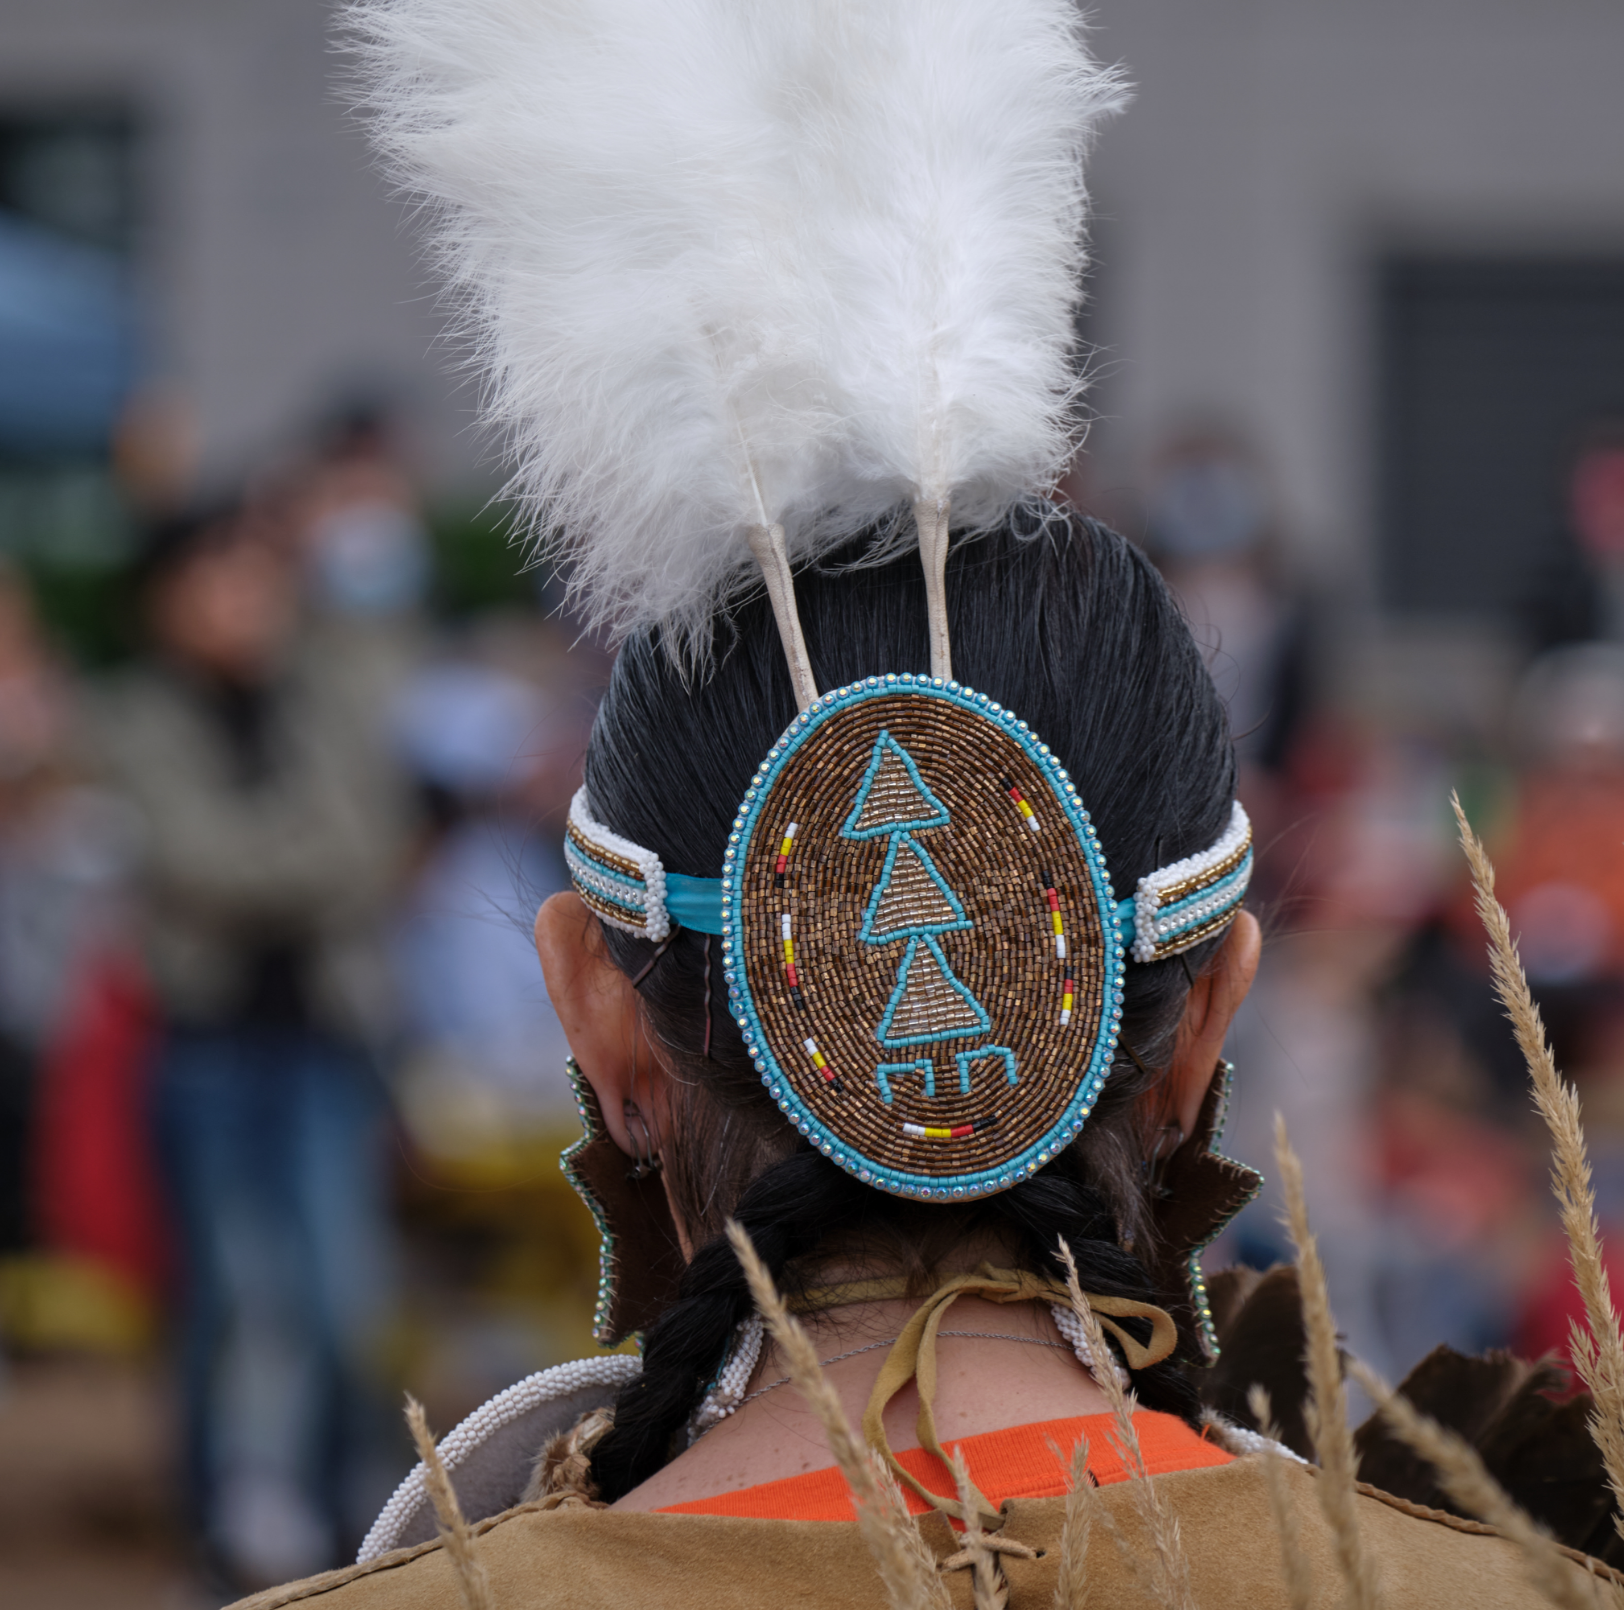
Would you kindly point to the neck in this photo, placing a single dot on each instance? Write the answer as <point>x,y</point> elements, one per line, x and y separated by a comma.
<point>985,1384</point>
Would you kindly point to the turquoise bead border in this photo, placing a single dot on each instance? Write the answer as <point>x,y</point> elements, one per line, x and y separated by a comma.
<point>1205,1328</point>
<point>608,1253</point>
<point>928,1187</point>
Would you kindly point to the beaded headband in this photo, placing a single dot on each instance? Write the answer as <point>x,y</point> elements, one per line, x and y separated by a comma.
<point>922,947</point>
<point>1173,909</point>
<point>627,886</point>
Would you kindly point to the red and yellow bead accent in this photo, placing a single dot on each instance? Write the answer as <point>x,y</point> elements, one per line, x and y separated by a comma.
<point>786,928</point>
<point>1056,925</point>
<point>1021,804</point>
<point>782,865</point>
<point>957,1132</point>
<point>829,1076</point>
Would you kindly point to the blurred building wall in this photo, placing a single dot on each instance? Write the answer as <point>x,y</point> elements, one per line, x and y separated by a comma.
<point>279,276</point>
<point>1274,151</point>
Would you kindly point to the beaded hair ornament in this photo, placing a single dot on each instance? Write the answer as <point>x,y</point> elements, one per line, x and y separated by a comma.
<point>748,281</point>
<point>921,942</point>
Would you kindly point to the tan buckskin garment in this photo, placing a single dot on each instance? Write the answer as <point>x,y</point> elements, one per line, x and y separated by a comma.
<point>598,1560</point>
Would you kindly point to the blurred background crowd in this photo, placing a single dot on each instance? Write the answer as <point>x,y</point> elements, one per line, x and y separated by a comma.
<point>288,731</point>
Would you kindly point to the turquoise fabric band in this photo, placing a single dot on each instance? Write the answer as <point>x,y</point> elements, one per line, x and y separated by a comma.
<point>694,902</point>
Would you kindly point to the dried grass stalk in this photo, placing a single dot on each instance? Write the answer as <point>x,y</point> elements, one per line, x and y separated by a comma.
<point>906,1566</point>
<point>1071,1586</point>
<point>1168,1577</point>
<point>455,1532</point>
<point>1299,1574</point>
<point>1469,1483</point>
<point>1327,1411</point>
<point>1598,1352</point>
<point>991,1589</point>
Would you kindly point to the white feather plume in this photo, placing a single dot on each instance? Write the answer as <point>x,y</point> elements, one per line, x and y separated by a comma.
<point>733,263</point>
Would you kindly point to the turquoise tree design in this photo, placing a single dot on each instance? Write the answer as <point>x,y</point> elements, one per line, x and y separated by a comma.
<point>912,902</point>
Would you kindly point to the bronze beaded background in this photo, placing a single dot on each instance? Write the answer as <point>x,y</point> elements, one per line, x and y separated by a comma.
<point>832,987</point>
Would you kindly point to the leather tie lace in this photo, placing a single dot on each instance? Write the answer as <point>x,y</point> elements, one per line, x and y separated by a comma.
<point>913,1354</point>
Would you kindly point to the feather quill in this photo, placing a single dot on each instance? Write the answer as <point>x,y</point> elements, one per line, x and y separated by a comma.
<point>728,267</point>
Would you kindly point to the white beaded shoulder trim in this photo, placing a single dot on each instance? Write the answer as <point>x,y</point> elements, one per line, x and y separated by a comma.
<point>611,1372</point>
<point>1242,1440</point>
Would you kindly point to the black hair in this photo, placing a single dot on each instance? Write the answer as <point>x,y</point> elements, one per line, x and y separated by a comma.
<point>1052,615</point>
<point>169,544</point>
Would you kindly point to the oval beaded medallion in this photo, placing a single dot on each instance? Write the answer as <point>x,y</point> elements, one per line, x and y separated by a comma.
<point>920,939</point>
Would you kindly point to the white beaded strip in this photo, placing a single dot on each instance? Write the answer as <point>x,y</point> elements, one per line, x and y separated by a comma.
<point>1147,898</point>
<point>612,1371</point>
<point>727,1390</point>
<point>1071,1327</point>
<point>1170,936</point>
<point>589,874</point>
<point>1242,1440</point>
<point>656,922</point>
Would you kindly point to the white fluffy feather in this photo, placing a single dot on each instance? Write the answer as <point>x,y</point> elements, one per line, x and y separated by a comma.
<point>739,262</point>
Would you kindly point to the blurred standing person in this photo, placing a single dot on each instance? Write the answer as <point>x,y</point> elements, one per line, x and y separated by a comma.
<point>76,1188</point>
<point>485,746</point>
<point>1575,592</point>
<point>362,534</point>
<point>1210,527</point>
<point>351,521</point>
<point>272,837</point>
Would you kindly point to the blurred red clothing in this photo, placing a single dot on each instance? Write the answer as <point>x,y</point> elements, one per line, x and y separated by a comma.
<point>1552,1303</point>
<point>1560,876</point>
<point>95,1179</point>
<point>1463,1178</point>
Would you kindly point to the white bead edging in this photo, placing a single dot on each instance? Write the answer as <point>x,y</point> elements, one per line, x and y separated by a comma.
<point>1148,897</point>
<point>1241,1440</point>
<point>611,1372</point>
<point>1071,1327</point>
<point>656,922</point>
<point>727,1390</point>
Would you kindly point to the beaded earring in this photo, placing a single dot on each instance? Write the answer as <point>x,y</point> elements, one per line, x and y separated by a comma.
<point>1201,1190</point>
<point>640,1260</point>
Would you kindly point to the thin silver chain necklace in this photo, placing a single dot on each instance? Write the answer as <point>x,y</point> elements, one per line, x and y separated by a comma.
<point>978,1335</point>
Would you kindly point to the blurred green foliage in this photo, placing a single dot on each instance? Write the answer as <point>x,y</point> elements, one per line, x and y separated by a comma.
<point>65,529</point>
<point>479,564</point>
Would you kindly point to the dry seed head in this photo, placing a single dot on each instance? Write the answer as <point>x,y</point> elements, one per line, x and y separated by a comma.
<point>907,1568</point>
<point>1599,1354</point>
<point>1326,1412</point>
<point>472,1582</point>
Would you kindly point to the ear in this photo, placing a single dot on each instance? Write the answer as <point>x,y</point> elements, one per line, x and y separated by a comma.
<point>1208,1013</point>
<point>597,1006</point>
